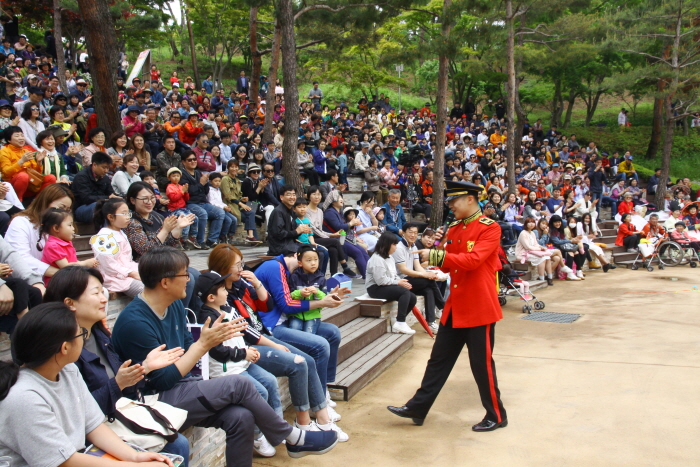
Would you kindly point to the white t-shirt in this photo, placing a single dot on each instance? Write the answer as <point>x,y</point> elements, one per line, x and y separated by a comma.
<point>404,254</point>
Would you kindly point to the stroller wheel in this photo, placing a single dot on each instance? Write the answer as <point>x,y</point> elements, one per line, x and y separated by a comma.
<point>539,305</point>
<point>527,309</point>
<point>634,267</point>
<point>662,267</point>
<point>650,268</point>
<point>502,301</point>
<point>693,264</point>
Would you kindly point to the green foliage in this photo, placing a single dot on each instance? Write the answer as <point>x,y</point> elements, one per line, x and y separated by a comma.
<point>426,79</point>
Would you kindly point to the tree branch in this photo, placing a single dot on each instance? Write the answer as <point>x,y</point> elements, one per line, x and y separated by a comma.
<point>333,10</point>
<point>304,46</point>
<point>421,10</point>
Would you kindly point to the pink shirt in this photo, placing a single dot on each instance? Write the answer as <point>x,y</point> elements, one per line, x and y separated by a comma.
<point>55,250</point>
<point>113,250</point>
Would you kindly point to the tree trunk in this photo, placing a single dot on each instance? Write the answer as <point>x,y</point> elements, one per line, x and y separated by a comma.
<point>555,119</point>
<point>272,80</point>
<point>58,37</point>
<point>569,108</point>
<point>290,171</point>
<point>255,56</point>
<point>590,110</point>
<point>512,94</point>
<point>173,47</point>
<point>438,207</point>
<point>660,198</point>
<point>193,53</point>
<point>100,36</point>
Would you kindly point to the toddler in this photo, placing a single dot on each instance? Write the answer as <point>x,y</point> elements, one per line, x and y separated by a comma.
<point>178,196</point>
<point>307,283</point>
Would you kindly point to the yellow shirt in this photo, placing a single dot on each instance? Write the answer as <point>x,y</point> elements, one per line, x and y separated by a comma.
<point>9,156</point>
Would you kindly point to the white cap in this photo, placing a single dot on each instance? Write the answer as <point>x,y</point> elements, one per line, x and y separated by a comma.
<point>263,103</point>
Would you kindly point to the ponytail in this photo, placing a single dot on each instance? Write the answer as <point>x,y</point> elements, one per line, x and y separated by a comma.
<point>39,335</point>
<point>104,208</point>
<point>50,218</point>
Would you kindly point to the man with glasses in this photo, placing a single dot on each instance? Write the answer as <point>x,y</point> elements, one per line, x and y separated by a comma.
<point>230,402</point>
<point>199,204</point>
<point>282,230</point>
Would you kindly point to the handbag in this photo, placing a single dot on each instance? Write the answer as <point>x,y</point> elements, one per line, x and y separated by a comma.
<point>568,247</point>
<point>309,166</point>
<point>149,424</point>
<point>201,369</point>
<point>35,180</point>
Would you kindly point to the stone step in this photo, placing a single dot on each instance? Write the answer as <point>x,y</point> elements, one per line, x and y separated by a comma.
<point>606,239</point>
<point>82,243</point>
<point>624,256</point>
<point>84,228</point>
<point>609,232</point>
<point>357,334</point>
<point>368,363</point>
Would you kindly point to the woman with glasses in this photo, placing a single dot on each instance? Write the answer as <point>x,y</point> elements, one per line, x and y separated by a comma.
<point>48,387</point>
<point>31,124</point>
<point>148,229</point>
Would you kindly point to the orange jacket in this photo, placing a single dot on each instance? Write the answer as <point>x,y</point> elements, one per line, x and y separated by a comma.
<point>9,155</point>
<point>472,261</point>
<point>189,133</point>
<point>625,230</point>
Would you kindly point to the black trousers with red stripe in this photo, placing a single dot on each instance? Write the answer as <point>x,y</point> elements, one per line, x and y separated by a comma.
<point>446,350</point>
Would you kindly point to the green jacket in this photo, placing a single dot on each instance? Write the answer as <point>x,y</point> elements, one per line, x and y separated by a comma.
<point>311,314</point>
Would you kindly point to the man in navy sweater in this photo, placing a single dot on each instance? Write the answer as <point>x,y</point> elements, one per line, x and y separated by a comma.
<point>157,317</point>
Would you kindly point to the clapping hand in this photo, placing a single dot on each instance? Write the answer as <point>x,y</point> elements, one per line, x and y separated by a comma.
<point>220,332</point>
<point>340,291</point>
<point>129,374</point>
<point>159,358</point>
<point>185,220</point>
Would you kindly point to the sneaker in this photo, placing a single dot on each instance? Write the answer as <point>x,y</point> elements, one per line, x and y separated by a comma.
<point>263,447</point>
<point>566,269</point>
<point>606,267</point>
<point>570,276</point>
<point>438,314</point>
<point>342,436</point>
<point>211,244</point>
<point>400,327</point>
<point>201,246</point>
<point>315,443</point>
<point>332,414</point>
<point>231,239</point>
<point>194,243</point>
<point>631,250</point>
<point>527,297</point>
<point>580,275</point>
<point>330,402</point>
<point>351,274</point>
<point>612,266</point>
<point>252,240</point>
<point>434,326</point>
<point>187,244</point>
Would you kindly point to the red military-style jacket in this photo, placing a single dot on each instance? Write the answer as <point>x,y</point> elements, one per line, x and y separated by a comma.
<point>471,258</point>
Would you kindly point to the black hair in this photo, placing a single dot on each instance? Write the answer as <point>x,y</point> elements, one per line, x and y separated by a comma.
<point>624,216</point>
<point>104,208</point>
<point>331,173</point>
<point>301,201</point>
<point>146,173</point>
<point>27,111</point>
<point>366,196</point>
<point>51,217</point>
<point>39,335</point>
<point>94,132</point>
<point>167,137</point>
<point>115,136</point>
<point>305,249</point>
<point>287,188</point>
<point>560,230</point>
<point>224,134</point>
<point>134,189</point>
<point>70,282</point>
<point>9,131</point>
<point>160,263</point>
<point>100,158</point>
<point>199,136</point>
<point>384,244</point>
<point>55,108</point>
<point>42,136</point>
<point>409,225</point>
<point>186,154</point>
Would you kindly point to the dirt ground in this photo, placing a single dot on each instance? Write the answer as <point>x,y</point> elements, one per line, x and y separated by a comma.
<point>619,387</point>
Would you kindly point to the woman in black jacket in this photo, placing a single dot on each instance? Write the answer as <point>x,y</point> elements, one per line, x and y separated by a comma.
<point>106,376</point>
<point>493,210</point>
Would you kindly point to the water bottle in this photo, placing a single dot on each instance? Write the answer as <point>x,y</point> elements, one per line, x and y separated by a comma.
<point>364,187</point>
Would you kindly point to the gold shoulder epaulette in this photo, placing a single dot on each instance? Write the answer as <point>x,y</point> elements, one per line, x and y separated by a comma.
<point>486,221</point>
<point>455,223</point>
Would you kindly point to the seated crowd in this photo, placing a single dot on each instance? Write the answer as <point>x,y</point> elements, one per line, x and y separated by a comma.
<point>185,170</point>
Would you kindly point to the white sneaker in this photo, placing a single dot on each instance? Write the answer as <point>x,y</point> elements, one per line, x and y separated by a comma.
<point>434,326</point>
<point>342,436</point>
<point>400,327</point>
<point>438,313</point>
<point>332,414</point>
<point>572,277</point>
<point>263,447</point>
<point>566,269</point>
<point>330,402</point>
<point>579,274</point>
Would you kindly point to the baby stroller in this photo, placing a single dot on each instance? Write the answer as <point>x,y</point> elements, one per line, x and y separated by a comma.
<point>509,280</point>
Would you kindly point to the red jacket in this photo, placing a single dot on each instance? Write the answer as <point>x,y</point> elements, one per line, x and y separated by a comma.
<point>178,199</point>
<point>624,207</point>
<point>472,262</point>
<point>625,230</point>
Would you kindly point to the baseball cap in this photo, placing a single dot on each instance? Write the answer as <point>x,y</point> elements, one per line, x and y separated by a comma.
<point>81,81</point>
<point>32,76</point>
<point>176,85</point>
<point>206,282</point>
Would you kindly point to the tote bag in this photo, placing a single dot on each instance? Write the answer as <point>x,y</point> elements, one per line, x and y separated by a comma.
<point>201,369</point>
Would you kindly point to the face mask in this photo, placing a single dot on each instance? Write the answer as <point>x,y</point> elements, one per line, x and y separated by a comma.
<point>572,224</point>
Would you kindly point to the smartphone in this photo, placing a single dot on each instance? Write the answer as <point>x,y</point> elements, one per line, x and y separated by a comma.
<point>336,298</point>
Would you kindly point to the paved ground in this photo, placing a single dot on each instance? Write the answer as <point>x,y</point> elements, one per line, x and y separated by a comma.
<point>617,388</point>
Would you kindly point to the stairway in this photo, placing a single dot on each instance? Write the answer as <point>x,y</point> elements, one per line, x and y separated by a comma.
<point>366,348</point>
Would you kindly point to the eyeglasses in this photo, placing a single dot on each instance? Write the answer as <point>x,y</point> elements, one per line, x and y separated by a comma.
<point>238,266</point>
<point>179,275</point>
<point>191,160</point>
<point>125,214</point>
<point>83,334</point>
<point>147,200</point>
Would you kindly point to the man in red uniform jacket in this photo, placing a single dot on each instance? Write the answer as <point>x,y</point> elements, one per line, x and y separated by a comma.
<point>469,252</point>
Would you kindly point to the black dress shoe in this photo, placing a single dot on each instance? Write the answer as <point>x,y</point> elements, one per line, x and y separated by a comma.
<point>405,412</point>
<point>489,425</point>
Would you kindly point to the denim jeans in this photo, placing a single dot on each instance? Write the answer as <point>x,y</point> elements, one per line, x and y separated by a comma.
<point>597,196</point>
<point>248,218</point>
<point>192,301</point>
<point>310,326</point>
<point>305,388</point>
<point>205,212</point>
<point>266,384</point>
<point>190,229</point>
<point>623,176</point>
<point>613,204</point>
<point>229,225</point>
<point>85,213</point>
<point>323,257</point>
<point>181,447</point>
<point>322,347</point>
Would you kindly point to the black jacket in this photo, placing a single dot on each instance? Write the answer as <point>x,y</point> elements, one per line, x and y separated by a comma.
<point>281,231</point>
<point>198,192</point>
<point>270,196</point>
<point>88,190</point>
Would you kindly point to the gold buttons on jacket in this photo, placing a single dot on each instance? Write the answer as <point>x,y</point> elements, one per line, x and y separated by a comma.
<point>455,286</point>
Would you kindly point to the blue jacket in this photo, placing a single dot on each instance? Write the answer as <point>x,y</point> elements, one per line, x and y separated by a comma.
<point>393,225</point>
<point>333,221</point>
<point>138,331</point>
<point>275,276</point>
<point>319,161</point>
<point>103,389</point>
